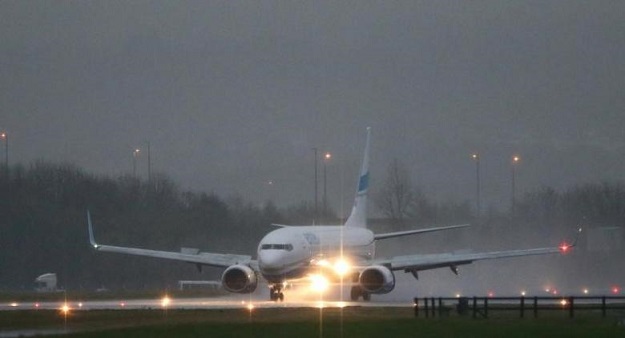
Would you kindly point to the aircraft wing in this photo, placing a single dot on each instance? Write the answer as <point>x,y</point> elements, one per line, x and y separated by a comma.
<point>414,263</point>
<point>201,258</point>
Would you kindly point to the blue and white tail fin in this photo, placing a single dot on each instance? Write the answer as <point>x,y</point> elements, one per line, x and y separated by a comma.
<point>358,217</point>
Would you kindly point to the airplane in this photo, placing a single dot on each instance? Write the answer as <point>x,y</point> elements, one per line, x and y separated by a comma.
<point>319,253</point>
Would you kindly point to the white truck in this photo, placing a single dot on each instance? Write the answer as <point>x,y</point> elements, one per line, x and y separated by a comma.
<point>46,283</point>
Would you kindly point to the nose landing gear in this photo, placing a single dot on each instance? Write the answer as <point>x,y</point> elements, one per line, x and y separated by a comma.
<point>275,293</point>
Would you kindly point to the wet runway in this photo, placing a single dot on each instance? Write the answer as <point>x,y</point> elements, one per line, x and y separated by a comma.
<point>225,302</point>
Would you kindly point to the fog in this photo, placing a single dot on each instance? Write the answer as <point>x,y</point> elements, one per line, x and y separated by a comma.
<point>232,98</point>
<point>232,95</point>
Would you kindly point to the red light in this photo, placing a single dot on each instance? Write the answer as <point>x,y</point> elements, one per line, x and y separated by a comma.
<point>616,290</point>
<point>491,294</point>
<point>564,248</point>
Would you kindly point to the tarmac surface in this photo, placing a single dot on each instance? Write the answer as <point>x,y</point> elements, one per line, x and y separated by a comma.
<point>225,302</point>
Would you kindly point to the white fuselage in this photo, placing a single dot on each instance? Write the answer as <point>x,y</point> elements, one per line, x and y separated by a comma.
<point>291,252</point>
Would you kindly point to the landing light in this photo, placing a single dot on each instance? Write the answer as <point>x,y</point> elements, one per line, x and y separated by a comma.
<point>523,293</point>
<point>563,302</point>
<point>65,309</point>
<point>165,301</point>
<point>585,291</point>
<point>341,267</point>
<point>318,283</point>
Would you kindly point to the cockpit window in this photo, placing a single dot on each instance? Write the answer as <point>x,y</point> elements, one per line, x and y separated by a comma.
<point>287,247</point>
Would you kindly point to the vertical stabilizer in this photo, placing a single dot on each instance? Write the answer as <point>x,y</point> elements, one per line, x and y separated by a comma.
<point>358,217</point>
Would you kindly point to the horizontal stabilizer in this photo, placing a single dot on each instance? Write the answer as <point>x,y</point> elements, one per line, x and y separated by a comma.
<point>416,231</point>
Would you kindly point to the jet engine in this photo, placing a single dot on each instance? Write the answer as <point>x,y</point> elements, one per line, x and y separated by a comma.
<point>239,279</point>
<point>377,279</point>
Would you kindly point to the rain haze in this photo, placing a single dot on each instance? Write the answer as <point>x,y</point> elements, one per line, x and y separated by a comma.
<point>233,96</point>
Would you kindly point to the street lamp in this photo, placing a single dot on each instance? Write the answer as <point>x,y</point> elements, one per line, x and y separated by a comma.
<point>316,203</point>
<point>476,158</point>
<point>5,137</point>
<point>135,153</point>
<point>515,160</point>
<point>149,165</point>
<point>326,158</point>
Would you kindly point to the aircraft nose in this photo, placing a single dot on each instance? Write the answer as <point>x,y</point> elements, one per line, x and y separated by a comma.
<point>270,259</point>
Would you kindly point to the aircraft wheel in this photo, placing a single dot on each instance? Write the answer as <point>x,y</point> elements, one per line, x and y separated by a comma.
<point>281,296</point>
<point>275,294</point>
<point>355,293</point>
<point>366,296</point>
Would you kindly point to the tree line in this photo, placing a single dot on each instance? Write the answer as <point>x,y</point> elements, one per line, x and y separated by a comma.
<point>593,205</point>
<point>43,225</point>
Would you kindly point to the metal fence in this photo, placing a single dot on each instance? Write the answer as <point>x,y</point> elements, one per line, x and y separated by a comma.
<point>481,306</point>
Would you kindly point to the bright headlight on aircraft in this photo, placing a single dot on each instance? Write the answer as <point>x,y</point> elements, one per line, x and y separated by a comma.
<point>318,283</point>
<point>165,301</point>
<point>341,267</point>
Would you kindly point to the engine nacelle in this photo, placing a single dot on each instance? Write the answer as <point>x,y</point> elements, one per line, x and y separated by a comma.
<point>239,279</point>
<point>377,279</point>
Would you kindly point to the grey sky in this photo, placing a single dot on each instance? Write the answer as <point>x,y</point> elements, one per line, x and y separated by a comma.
<point>233,94</point>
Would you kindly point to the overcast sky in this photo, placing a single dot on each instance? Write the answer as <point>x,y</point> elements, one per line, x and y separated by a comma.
<point>234,94</point>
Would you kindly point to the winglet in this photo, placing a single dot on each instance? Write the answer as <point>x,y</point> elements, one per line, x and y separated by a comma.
<point>579,231</point>
<point>91,237</point>
<point>565,247</point>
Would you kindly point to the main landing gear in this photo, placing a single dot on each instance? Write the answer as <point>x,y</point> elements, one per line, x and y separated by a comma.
<point>275,293</point>
<point>357,292</point>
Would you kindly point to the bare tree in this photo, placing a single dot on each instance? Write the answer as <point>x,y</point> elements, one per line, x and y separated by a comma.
<point>397,194</point>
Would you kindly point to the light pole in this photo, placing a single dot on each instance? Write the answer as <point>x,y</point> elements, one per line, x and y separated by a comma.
<point>326,158</point>
<point>316,203</point>
<point>149,165</point>
<point>5,137</point>
<point>476,158</point>
<point>515,160</point>
<point>135,153</point>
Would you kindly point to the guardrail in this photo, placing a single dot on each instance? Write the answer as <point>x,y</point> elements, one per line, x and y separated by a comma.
<point>481,306</point>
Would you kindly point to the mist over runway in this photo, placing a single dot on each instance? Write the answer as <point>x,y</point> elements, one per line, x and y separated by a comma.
<point>213,303</point>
